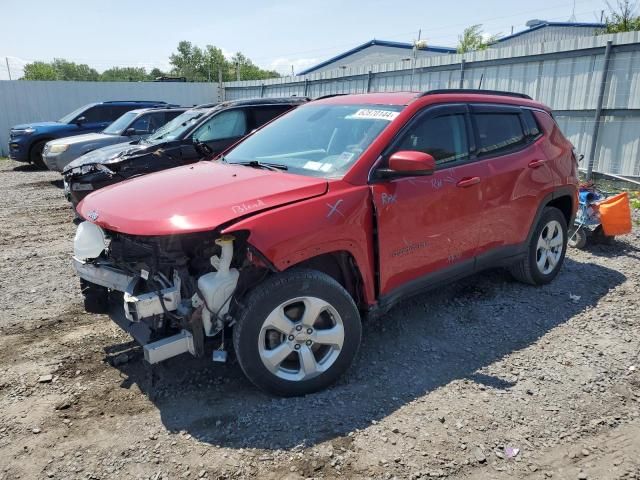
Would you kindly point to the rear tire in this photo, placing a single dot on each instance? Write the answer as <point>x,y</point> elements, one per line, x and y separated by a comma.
<point>546,250</point>
<point>35,154</point>
<point>297,333</point>
<point>577,238</point>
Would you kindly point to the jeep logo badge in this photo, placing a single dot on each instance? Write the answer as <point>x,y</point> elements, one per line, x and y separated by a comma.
<point>93,215</point>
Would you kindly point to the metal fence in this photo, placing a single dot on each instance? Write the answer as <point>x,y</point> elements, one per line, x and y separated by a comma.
<point>33,101</point>
<point>566,75</point>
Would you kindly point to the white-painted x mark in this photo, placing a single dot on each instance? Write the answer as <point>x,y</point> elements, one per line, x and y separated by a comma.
<point>334,209</point>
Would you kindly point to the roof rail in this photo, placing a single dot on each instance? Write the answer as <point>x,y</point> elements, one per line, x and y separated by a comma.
<point>134,101</point>
<point>330,95</point>
<point>476,91</point>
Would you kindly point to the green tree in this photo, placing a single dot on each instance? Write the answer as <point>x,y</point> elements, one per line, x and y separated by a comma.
<point>473,39</point>
<point>247,69</point>
<point>59,69</point>
<point>199,65</point>
<point>39,71</point>
<point>124,74</point>
<point>622,18</point>
<point>155,73</point>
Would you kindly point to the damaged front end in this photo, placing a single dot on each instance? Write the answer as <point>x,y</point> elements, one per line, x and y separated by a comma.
<point>84,178</point>
<point>169,292</point>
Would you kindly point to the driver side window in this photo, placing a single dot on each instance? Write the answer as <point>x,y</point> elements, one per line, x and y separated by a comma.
<point>444,137</point>
<point>229,124</point>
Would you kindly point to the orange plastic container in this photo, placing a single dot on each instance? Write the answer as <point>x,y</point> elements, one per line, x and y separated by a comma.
<point>615,215</point>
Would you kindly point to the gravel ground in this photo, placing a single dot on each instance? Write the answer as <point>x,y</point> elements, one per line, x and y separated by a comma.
<point>485,378</point>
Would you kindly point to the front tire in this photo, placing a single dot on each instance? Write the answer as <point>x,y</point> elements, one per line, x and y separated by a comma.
<point>546,250</point>
<point>35,154</point>
<point>297,333</point>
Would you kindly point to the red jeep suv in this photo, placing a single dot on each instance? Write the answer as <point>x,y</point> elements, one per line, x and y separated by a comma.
<point>338,209</point>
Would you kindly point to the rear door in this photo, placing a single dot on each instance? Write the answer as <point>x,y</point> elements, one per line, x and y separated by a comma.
<point>429,224</point>
<point>516,173</point>
<point>96,118</point>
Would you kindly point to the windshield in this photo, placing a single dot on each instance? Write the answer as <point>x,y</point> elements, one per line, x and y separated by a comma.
<point>176,127</point>
<point>317,140</point>
<point>120,125</point>
<point>71,116</point>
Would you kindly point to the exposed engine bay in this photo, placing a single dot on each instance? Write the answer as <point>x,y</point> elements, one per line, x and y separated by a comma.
<point>168,292</point>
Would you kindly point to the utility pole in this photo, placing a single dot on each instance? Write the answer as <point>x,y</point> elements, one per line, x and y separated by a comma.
<point>238,70</point>
<point>6,59</point>
<point>598,117</point>
<point>220,85</point>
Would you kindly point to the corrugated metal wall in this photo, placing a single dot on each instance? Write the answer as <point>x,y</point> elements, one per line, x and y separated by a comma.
<point>32,101</point>
<point>565,75</point>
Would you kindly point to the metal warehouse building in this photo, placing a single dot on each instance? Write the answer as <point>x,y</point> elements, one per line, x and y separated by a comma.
<point>377,51</point>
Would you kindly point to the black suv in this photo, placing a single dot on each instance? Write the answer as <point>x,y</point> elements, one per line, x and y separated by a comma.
<point>201,132</point>
<point>26,141</point>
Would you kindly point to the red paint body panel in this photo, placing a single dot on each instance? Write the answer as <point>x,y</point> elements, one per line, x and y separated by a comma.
<point>194,198</point>
<point>341,220</point>
<point>426,224</point>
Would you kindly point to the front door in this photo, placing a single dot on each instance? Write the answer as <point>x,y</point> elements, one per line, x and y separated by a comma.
<point>427,225</point>
<point>220,132</point>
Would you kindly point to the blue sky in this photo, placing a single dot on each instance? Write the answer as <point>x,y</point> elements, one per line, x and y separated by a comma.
<point>274,34</point>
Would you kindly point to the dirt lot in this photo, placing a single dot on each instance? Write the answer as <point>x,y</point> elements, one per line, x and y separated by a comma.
<point>483,379</point>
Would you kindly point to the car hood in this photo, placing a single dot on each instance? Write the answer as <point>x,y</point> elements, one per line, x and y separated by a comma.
<point>107,154</point>
<point>101,138</point>
<point>44,125</point>
<point>194,198</point>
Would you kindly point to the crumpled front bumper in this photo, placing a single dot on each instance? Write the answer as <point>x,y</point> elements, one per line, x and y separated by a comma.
<point>137,307</point>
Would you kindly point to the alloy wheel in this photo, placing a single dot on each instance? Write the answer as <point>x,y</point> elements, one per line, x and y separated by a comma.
<point>301,338</point>
<point>549,247</point>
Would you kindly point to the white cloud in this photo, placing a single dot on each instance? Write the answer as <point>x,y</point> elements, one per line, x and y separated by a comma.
<point>283,65</point>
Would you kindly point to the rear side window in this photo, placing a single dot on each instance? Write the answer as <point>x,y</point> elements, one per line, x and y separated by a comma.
<point>98,114</point>
<point>531,128</point>
<point>262,115</point>
<point>114,111</point>
<point>498,132</point>
<point>444,137</point>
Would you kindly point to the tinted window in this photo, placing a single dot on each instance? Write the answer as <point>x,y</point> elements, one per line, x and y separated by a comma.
<point>498,132</point>
<point>98,114</point>
<point>262,115</point>
<point>530,124</point>
<point>444,137</point>
<point>115,111</point>
<point>228,124</point>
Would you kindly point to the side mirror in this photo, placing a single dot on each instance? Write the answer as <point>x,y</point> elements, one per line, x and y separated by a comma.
<point>408,163</point>
<point>130,132</point>
<point>80,120</point>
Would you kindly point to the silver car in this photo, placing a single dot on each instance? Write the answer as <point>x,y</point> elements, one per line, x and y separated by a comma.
<point>133,125</point>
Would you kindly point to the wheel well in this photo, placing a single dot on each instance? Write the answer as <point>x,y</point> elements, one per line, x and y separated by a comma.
<point>565,205</point>
<point>36,142</point>
<point>340,266</point>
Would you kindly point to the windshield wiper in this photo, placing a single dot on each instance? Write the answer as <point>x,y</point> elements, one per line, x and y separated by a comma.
<point>267,166</point>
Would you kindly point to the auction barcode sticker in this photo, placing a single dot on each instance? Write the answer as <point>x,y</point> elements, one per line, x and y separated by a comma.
<point>370,113</point>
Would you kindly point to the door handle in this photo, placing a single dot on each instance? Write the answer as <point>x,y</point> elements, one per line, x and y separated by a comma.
<point>468,181</point>
<point>536,163</point>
